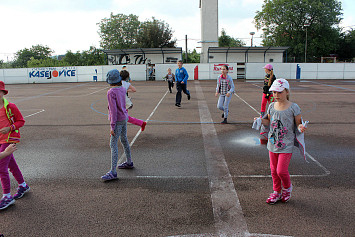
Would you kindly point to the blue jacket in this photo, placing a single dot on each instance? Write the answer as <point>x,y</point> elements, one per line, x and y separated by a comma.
<point>181,75</point>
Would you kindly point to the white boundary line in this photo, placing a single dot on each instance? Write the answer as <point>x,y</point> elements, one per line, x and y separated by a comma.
<point>337,87</point>
<point>228,214</point>
<point>123,156</point>
<point>246,103</point>
<point>313,93</point>
<point>60,96</point>
<point>214,235</point>
<point>50,93</point>
<point>30,115</point>
<point>326,171</point>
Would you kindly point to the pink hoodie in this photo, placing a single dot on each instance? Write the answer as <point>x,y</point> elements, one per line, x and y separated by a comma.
<point>116,98</point>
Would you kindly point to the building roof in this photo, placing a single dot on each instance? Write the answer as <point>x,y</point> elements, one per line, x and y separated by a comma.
<point>247,49</point>
<point>144,51</point>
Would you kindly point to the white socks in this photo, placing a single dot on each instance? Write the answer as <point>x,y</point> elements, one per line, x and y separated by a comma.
<point>23,184</point>
<point>8,195</point>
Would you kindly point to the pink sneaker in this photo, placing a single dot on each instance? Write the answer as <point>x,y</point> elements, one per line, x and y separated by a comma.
<point>274,198</point>
<point>286,194</point>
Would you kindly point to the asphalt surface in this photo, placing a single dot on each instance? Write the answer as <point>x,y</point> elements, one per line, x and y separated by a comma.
<point>65,150</point>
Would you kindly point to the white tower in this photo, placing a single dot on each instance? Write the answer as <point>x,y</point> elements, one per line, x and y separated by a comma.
<point>209,27</point>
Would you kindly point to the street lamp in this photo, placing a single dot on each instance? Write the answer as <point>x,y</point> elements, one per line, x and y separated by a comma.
<point>306,25</point>
<point>252,34</point>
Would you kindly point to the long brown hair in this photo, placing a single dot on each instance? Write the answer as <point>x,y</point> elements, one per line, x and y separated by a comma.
<point>271,76</point>
<point>288,96</point>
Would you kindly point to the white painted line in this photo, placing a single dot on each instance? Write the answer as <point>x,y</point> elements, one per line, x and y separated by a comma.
<point>267,235</point>
<point>195,235</point>
<point>213,235</point>
<point>91,93</point>
<point>123,156</point>
<point>338,87</point>
<point>257,86</point>
<point>30,115</point>
<point>327,172</point>
<point>66,96</point>
<point>255,81</point>
<point>166,177</point>
<point>246,103</point>
<point>49,93</point>
<point>228,214</point>
<point>313,93</point>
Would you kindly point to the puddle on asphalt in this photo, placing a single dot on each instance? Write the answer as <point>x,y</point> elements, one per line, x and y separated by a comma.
<point>247,141</point>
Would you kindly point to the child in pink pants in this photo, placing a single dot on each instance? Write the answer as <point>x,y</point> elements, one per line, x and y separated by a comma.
<point>283,117</point>
<point>10,121</point>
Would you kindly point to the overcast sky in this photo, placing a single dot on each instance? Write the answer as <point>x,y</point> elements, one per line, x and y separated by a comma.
<point>72,24</point>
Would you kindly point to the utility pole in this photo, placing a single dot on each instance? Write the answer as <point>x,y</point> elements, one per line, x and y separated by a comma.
<point>305,47</point>
<point>186,48</point>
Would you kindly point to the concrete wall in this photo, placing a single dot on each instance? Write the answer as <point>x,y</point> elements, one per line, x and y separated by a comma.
<point>205,71</point>
<point>308,70</point>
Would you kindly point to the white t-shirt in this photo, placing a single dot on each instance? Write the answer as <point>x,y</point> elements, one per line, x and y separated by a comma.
<point>126,85</point>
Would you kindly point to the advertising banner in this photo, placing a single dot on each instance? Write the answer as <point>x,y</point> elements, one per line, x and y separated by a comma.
<point>217,68</point>
<point>52,74</point>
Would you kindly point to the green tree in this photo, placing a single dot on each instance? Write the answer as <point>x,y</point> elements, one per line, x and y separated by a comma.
<point>90,57</point>
<point>6,64</point>
<point>346,50</point>
<point>192,57</point>
<point>119,31</point>
<point>73,59</point>
<point>227,41</point>
<point>47,62</point>
<point>284,23</point>
<point>37,52</point>
<point>93,56</point>
<point>155,34</point>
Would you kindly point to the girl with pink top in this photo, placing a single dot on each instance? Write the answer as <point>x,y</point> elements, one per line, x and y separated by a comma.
<point>118,116</point>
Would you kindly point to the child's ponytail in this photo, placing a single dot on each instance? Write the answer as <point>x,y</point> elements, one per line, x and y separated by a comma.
<point>271,77</point>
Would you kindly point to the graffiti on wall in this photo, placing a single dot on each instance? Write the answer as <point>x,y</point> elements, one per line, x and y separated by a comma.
<point>135,59</point>
<point>126,59</point>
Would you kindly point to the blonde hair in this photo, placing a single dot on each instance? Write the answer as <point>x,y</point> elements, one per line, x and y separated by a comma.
<point>271,76</point>
<point>169,69</point>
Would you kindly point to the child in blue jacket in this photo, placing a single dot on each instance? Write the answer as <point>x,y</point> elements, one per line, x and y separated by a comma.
<point>181,77</point>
